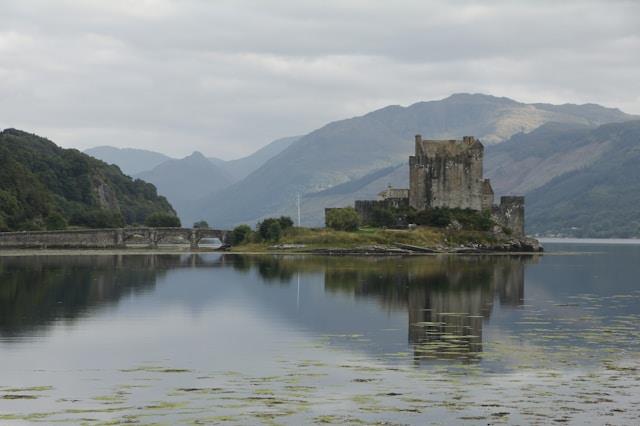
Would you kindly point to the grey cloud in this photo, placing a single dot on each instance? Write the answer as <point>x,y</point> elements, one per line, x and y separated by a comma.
<point>226,77</point>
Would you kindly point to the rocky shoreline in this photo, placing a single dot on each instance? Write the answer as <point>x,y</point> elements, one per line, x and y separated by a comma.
<point>515,245</point>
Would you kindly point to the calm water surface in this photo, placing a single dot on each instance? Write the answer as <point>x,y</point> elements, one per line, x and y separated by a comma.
<point>210,338</point>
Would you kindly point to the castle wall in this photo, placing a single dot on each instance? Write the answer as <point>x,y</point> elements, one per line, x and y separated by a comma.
<point>365,208</point>
<point>487,195</point>
<point>510,214</point>
<point>417,184</point>
<point>107,238</point>
<point>447,174</point>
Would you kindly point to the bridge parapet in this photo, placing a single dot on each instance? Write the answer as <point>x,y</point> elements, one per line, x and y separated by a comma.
<point>110,238</point>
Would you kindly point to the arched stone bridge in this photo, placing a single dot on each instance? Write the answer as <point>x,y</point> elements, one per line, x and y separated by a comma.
<point>111,238</point>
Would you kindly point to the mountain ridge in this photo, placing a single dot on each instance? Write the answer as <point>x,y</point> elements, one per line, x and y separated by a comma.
<point>350,149</point>
<point>600,199</point>
<point>187,179</point>
<point>130,160</point>
<point>240,168</point>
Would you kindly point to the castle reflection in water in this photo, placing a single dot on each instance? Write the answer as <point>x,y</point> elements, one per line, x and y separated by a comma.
<point>446,298</point>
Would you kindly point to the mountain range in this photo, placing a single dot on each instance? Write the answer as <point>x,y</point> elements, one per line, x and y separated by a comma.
<point>528,146</point>
<point>598,192</point>
<point>355,151</point>
<point>130,160</point>
<point>238,169</point>
<point>184,181</point>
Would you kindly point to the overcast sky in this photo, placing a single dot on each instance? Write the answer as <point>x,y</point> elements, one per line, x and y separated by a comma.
<point>226,77</point>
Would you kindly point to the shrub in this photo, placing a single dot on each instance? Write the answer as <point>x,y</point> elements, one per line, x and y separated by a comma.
<point>274,231</point>
<point>345,219</point>
<point>383,218</point>
<point>162,220</point>
<point>441,217</point>
<point>8,204</point>
<point>270,229</point>
<point>438,217</point>
<point>471,219</point>
<point>55,221</point>
<point>240,234</point>
<point>201,224</point>
<point>285,222</point>
<point>31,225</point>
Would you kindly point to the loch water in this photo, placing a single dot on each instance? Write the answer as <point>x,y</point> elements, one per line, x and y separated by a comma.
<point>209,338</point>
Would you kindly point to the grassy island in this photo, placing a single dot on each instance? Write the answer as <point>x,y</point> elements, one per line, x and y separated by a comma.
<point>299,239</point>
<point>279,235</point>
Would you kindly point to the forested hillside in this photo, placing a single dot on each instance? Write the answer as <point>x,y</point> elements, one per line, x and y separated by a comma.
<point>601,199</point>
<point>43,186</point>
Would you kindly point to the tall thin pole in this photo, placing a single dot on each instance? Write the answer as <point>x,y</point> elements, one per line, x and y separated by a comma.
<point>298,209</point>
<point>298,296</point>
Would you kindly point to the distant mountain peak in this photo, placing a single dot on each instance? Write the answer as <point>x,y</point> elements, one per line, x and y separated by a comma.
<point>196,155</point>
<point>475,97</point>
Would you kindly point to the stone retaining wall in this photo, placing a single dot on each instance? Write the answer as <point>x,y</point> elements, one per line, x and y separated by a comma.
<point>108,238</point>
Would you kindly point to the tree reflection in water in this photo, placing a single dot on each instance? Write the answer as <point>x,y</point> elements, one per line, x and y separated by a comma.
<point>447,298</point>
<point>38,290</point>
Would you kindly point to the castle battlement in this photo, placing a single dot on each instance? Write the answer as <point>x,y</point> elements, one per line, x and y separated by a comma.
<point>449,174</point>
<point>447,147</point>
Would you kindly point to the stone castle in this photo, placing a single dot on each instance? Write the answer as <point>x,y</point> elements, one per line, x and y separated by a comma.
<point>449,173</point>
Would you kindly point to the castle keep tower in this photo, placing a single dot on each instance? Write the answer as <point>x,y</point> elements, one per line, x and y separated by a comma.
<point>448,173</point>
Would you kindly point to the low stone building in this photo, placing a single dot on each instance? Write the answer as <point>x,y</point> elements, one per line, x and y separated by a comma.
<point>394,194</point>
<point>390,198</point>
<point>449,173</point>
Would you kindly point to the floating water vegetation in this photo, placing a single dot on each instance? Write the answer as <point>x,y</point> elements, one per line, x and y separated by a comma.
<point>155,369</point>
<point>566,361</point>
<point>27,389</point>
<point>18,396</point>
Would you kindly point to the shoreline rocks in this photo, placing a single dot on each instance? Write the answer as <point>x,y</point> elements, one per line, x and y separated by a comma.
<point>514,245</point>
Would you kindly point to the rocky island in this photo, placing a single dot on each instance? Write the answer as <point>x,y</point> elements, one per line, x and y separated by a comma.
<point>373,241</point>
<point>448,208</point>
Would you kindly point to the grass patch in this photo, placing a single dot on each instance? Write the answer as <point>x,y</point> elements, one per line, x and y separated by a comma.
<point>325,238</point>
